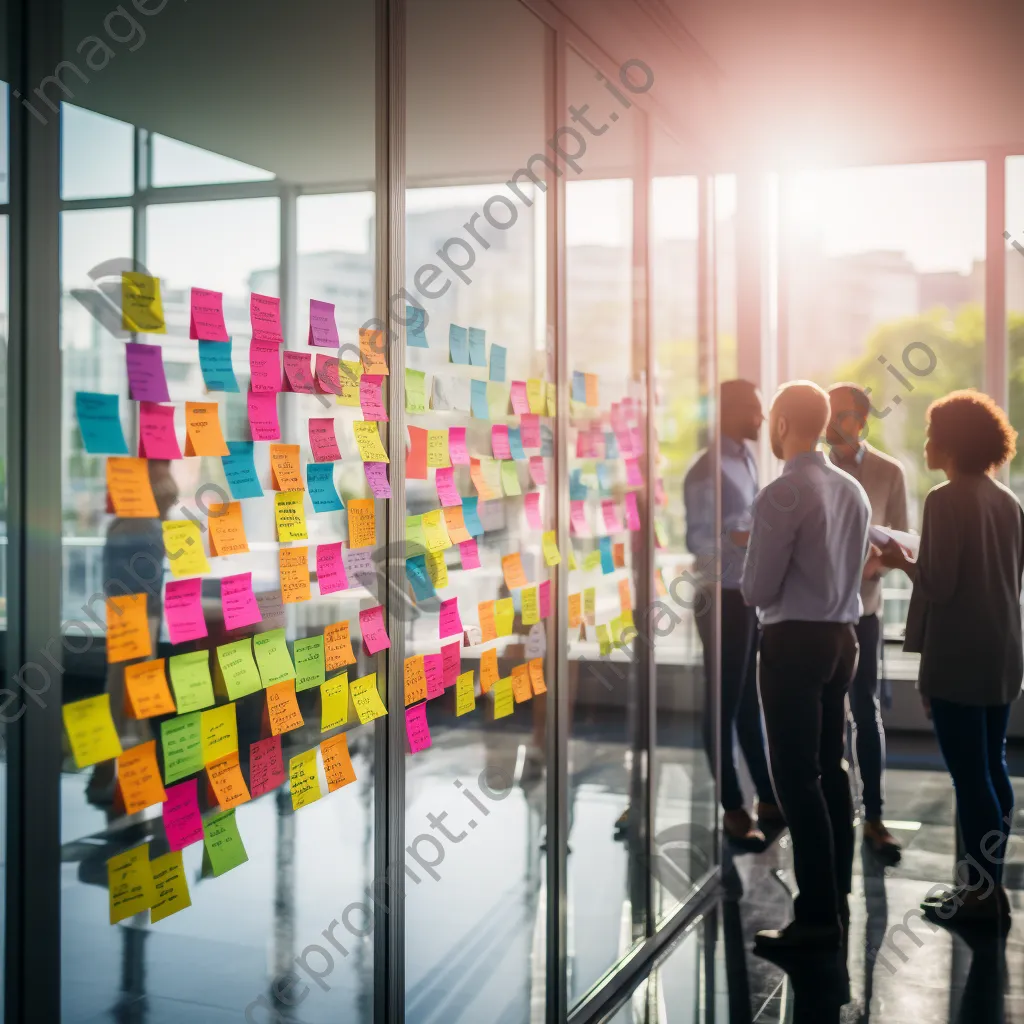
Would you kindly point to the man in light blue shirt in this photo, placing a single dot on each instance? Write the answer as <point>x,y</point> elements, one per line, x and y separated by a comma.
<point>805,560</point>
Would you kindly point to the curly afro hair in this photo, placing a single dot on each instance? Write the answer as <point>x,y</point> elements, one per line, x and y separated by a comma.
<point>973,430</point>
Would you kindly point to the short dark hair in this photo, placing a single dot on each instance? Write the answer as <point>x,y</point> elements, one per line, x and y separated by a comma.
<point>972,429</point>
<point>861,402</point>
<point>734,391</point>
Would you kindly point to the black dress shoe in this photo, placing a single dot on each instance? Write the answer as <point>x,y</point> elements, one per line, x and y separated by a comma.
<point>796,936</point>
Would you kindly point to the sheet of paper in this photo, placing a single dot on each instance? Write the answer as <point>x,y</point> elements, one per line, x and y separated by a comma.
<point>417,730</point>
<point>184,610</point>
<point>170,882</point>
<point>146,691</point>
<point>184,546</point>
<point>183,823</point>
<point>334,703</point>
<point>263,420</point>
<point>147,381</point>
<point>222,843</point>
<point>203,435</point>
<point>416,327</point>
<point>338,646</point>
<point>266,766</point>
<point>130,883</point>
<point>337,762</point>
<point>181,739</point>
<point>99,420</point>
<point>138,777</point>
<point>367,436</point>
<point>129,487</point>
<point>365,698</point>
<point>217,367</point>
<point>157,439</point>
<point>362,523</point>
<point>128,634</point>
<point>373,629</point>
<point>283,708</point>
<point>882,535</point>
<point>304,779</point>
<point>477,347</point>
<point>504,700</point>
<point>323,330</point>
<point>226,781</point>
<point>373,351</point>
<point>290,513</point>
<point>416,454</point>
<point>272,658</point>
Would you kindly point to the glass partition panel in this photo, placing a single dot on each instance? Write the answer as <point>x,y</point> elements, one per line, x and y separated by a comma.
<point>1015,305</point>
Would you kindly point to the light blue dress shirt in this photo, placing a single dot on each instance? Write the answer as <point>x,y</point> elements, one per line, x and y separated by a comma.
<point>739,488</point>
<point>808,544</point>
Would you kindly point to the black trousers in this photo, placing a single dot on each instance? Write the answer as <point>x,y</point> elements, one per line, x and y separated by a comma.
<point>806,668</point>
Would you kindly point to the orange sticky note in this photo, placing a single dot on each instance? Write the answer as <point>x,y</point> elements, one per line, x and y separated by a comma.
<point>521,683</point>
<point>285,471</point>
<point>537,675</point>
<point>227,530</point>
<point>127,628</point>
<point>488,627</point>
<point>362,523</point>
<point>489,673</point>
<point>146,692</point>
<point>337,762</point>
<point>625,598</point>
<point>294,564</point>
<point>619,555</point>
<point>338,646</point>
<point>512,567</point>
<point>138,777</point>
<point>415,679</point>
<point>592,395</point>
<point>283,708</point>
<point>372,352</point>
<point>456,523</point>
<point>131,493</point>
<point>203,435</point>
<point>226,781</point>
<point>575,609</point>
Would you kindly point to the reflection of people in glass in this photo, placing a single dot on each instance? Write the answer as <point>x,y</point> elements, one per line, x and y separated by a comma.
<point>741,419</point>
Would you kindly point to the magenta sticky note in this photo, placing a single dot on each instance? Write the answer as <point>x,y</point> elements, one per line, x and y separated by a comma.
<point>264,366</point>
<point>499,441</point>
<point>544,598</point>
<point>610,512</point>
<point>146,379</point>
<point>529,428</point>
<point>371,397</point>
<point>416,728</point>
<point>625,442</point>
<point>330,568</point>
<point>265,317</point>
<point>266,766</point>
<point>531,502</point>
<point>375,634</point>
<point>520,400</point>
<point>433,666</point>
<point>634,478</point>
<point>457,450</point>
<point>327,379</point>
<point>377,478</point>
<point>263,421</point>
<point>157,439</point>
<point>206,319</point>
<point>469,553</point>
<point>447,492</point>
<point>450,623</point>
<point>578,519</point>
<point>297,375</point>
<point>238,601</point>
<point>632,513</point>
<point>637,436</point>
<point>322,440</point>
<point>183,608</point>
<point>538,471</point>
<point>323,331</point>
<point>451,661</point>
<point>182,821</point>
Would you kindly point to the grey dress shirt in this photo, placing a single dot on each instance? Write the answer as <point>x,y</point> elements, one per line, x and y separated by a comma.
<point>808,545</point>
<point>964,617</point>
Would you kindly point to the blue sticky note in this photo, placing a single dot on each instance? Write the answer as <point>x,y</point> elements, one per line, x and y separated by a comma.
<point>577,488</point>
<point>416,327</point>
<point>607,562</point>
<point>471,517</point>
<point>478,400</point>
<point>547,441</point>
<point>579,386</point>
<point>604,480</point>
<point>215,362</point>
<point>458,344</point>
<point>611,445</point>
<point>240,467</point>
<point>497,373</point>
<point>515,443</point>
<point>320,483</point>
<point>477,347</point>
<point>419,577</point>
<point>100,423</point>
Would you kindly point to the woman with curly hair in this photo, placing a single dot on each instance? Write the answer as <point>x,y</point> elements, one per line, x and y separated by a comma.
<point>965,621</point>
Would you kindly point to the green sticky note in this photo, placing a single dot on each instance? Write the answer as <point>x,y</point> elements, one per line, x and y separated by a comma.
<point>497,400</point>
<point>182,741</point>
<point>272,657</point>
<point>510,478</point>
<point>191,681</point>
<point>223,848</point>
<point>238,669</point>
<point>414,534</point>
<point>415,391</point>
<point>309,662</point>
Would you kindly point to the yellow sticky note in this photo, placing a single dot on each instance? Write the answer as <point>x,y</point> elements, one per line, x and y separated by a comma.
<point>465,694</point>
<point>536,395</point>
<point>305,784</point>
<point>142,309</point>
<point>334,703</point>
<point>589,604</point>
<point>603,639</point>
<point>504,701</point>
<point>371,448</point>
<point>437,569</point>
<point>497,399</point>
<point>220,732</point>
<point>575,609</point>
<point>349,374</point>
<point>171,884</point>
<point>435,532</point>
<point>184,546</point>
<point>615,628</point>
<point>510,478</point>
<point>592,560</point>
<point>290,513</point>
<point>437,449</point>
<point>531,606</point>
<point>415,391</point>
<point>552,391</point>
<point>504,615</point>
<point>130,883</point>
<point>572,559</point>
<point>191,681</point>
<point>91,731</point>
<point>366,699</point>
<point>128,635</point>
<point>362,522</point>
<point>550,545</point>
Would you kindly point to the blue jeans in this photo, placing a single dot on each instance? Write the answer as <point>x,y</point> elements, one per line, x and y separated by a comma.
<point>869,734</point>
<point>973,744</point>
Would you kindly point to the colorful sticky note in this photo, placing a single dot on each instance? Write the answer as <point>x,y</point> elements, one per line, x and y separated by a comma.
<point>589,603</point>
<point>497,399</point>
<point>322,440</point>
<point>366,700</point>
<point>531,607</point>
<point>510,479</point>
<point>465,694</point>
<point>238,601</point>
<point>265,317</point>
<point>362,523</point>
<point>240,470</point>
<point>504,701</point>
<point>415,391</point>
<point>323,331</point>
<point>520,400</point>
<point>575,612</point>
<point>91,731</point>
<point>416,454</point>
<point>142,311</point>
<point>337,762</point>
<point>290,515</point>
<point>515,444</point>
<point>471,516</point>
<point>371,398</point>
<point>265,367</point>
<point>416,729</point>
<point>544,598</point>
<point>146,691</point>
<point>478,400</point>
<point>129,487</point>
<point>330,569</point>
<point>263,420</point>
<point>477,347</point>
<point>305,782</point>
<point>226,780</point>
<point>497,370</point>
<point>157,439</point>
<point>217,367</point>
<point>549,543</point>
<point>183,823</point>
<point>433,669</point>
<point>266,765</point>
<point>455,524</point>
<point>297,375</point>
<point>227,529</point>
<point>437,449</point>
<point>184,546</point>
<point>538,470</point>
<point>632,512</point>
<point>536,667</point>
<point>529,426</point>
<point>309,663</point>
<point>451,662</point>
<point>283,708</point>
<point>223,848</point>
<point>504,616</point>
<point>458,344</point>
<point>184,610</point>
<point>191,681</point>
<point>271,650</point>
<point>219,732</point>
<point>373,629</point>
<point>100,423</point>
<point>447,492</point>
<point>147,381</point>
<point>206,316</point>
<point>469,554</point>
<point>607,561</point>
<point>457,452</point>
<point>373,351</point>
<point>181,739</point>
<point>349,373</point>
<point>237,669</point>
<point>437,568</point>
<point>130,883</point>
<point>169,881</point>
<point>531,505</point>
<point>338,646</point>
<point>415,327</point>
<point>203,435</point>
<point>334,703</point>
<point>435,533</point>
<point>415,679</point>
<point>485,614</point>
<point>376,474</point>
<point>499,441</point>
<point>293,565</point>
<point>368,441</point>
<point>128,634</point>
<point>450,623</point>
<point>521,689</point>
<point>322,491</point>
<point>512,569</point>
<point>419,578</point>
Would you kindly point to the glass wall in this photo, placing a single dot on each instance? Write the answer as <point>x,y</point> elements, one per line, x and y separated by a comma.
<point>1014,238</point>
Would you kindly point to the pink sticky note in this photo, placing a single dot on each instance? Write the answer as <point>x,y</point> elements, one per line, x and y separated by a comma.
<point>206,320</point>
<point>265,317</point>
<point>266,766</point>
<point>184,610</point>
<point>529,430</point>
<point>451,622</point>
<point>146,379</point>
<point>634,478</point>
<point>499,441</point>
<point>610,512</point>
<point>182,821</point>
<point>520,401</point>
<point>264,366</point>
<point>157,439</point>
<point>263,421</point>
<point>322,439</point>
<point>238,601</point>
<point>371,398</point>
<point>578,518</point>
<point>433,665</point>
<point>323,331</point>
<point>330,568</point>
<point>544,598</point>
<point>377,478</point>
<point>457,451</point>
<point>451,660</point>
<point>637,436</point>
<point>375,634</point>
<point>532,503</point>
<point>632,513</point>
<point>538,471</point>
<point>622,436</point>
<point>297,375</point>
<point>469,553</point>
<point>447,492</point>
<point>327,379</point>
<point>416,728</point>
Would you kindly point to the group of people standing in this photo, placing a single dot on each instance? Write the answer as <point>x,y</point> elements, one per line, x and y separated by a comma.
<point>801,634</point>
